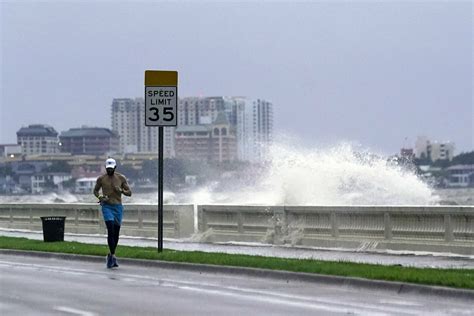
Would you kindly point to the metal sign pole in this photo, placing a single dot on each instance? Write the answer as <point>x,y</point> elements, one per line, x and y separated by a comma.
<point>161,109</point>
<point>160,189</point>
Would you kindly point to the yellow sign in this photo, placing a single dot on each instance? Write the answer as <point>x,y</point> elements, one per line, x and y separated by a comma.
<point>155,78</point>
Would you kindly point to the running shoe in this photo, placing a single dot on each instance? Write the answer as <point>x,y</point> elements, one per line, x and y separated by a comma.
<point>109,261</point>
<point>114,262</point>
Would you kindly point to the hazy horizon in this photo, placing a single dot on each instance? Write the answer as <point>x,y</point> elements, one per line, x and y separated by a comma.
<point>372,73</point>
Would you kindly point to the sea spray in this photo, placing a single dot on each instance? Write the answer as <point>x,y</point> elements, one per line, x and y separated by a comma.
<point>339,175</point>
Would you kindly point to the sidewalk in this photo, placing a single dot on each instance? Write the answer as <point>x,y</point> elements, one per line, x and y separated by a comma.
<point>421,260</point>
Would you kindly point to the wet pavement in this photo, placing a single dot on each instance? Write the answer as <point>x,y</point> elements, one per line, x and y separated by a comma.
<point>47,286</point>
<point>413,259</point>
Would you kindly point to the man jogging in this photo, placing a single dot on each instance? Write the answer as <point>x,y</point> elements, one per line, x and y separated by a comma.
<point>113,185</point>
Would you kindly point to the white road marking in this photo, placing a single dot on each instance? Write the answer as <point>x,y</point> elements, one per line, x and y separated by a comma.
<point>71,310</point>
<point>403,303</point>
<point>269,299</point>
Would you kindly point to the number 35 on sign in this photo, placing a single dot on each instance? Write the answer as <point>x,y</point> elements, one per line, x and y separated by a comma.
<point>160,106</point>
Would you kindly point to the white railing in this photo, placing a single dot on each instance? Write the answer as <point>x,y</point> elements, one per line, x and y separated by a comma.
<point>138,220</point>
<point>420,228</point>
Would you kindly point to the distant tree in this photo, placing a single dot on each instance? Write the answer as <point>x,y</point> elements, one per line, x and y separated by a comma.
<point>128,171</point>
<point>69,184</point>
<point>423,160</point>
<point>442,163</point>
<point>49,184</point>
<point>174,168</point>
<point>58,166</point>
<point>149,170</point>
<point>463,159</point>
<point>6,170</point>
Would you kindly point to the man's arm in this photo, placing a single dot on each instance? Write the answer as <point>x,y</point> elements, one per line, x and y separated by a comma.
<point>97,187</point>
<point>126,188</point>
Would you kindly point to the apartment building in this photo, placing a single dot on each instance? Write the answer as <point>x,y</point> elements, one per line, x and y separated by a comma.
<point>424,148</point>
<point>89,141</point>
<point>38,139</point>
<point>214,142</point>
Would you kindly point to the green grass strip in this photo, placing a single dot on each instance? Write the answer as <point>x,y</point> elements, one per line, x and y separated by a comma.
<point>459,278</point>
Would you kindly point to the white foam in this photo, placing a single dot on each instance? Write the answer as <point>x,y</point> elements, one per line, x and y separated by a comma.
<point>336,176</point>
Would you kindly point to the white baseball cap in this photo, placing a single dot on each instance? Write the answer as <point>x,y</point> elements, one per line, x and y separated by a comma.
<point>110,163</point>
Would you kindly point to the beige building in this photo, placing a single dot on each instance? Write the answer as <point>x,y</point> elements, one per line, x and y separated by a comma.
<point>38,139</point>
<point>214,142</point>
<point>89,141</point>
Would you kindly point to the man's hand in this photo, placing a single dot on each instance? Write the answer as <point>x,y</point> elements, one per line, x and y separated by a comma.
<point>118,189</point>
<point>103,198</point>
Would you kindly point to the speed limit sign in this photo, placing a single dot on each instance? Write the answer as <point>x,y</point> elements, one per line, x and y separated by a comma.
<point>161,98</point>
<point>161,109</point>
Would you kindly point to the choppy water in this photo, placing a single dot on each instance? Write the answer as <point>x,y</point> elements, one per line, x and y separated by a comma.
<point>463,196</point>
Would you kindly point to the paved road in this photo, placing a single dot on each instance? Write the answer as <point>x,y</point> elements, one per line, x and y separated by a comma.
<point>41,286</point>
<point>412,259</point>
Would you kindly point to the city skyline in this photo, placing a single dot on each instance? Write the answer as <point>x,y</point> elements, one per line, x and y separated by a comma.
<point>369,73</point>
<point>409,142</point>
<point>237,128</point>
<point>170,131</point>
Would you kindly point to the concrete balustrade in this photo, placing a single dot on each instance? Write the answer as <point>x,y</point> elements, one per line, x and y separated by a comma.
<point>138,220</point>
<point>412,228</point>
<point>427,228</point>
<point>239,223</point>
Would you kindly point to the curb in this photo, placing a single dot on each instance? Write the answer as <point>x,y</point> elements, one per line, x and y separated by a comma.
<point>353,282</point>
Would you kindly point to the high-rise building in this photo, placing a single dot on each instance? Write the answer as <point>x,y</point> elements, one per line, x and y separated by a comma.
<point>124,123</point>
<point>199,110</point>
<point>441,150</point>
<point>89,141</point>
<point>38,139</point>
<point>421,145</point>
<point>252,120</point>
<point>128,121</point>
<point>425,149</point>
<point>254,123</point>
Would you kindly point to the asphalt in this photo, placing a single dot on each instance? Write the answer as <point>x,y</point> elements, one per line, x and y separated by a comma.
<point>356,283</point>
<point>48,284</point>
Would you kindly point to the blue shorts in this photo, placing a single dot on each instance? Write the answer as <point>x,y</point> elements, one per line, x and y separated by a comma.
<point>113,212</point>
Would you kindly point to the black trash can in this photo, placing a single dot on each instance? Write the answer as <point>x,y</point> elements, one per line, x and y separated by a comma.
<point>53,228</point>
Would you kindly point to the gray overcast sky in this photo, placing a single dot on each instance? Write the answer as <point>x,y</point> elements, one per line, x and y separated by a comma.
<point>369,72</point>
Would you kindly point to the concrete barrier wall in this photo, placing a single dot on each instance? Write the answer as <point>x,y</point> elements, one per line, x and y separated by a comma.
<point>138,220</point>
<point>239,223</point>
<point>431,228</point>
